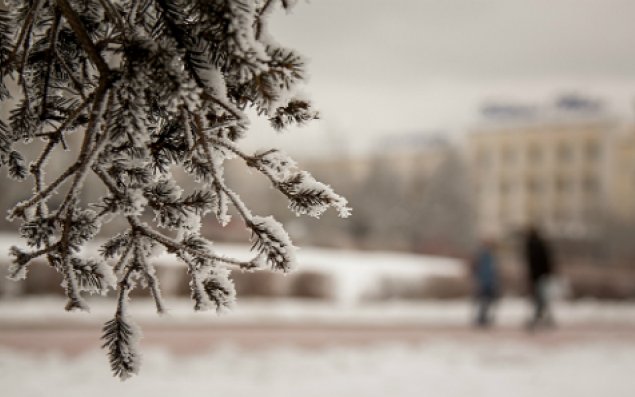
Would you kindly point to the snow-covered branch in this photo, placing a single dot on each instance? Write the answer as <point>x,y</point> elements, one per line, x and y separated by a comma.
<point>128,91</point>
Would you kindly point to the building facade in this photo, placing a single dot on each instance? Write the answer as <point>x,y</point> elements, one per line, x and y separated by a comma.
<point>559,171</point>
<point>623,176</point>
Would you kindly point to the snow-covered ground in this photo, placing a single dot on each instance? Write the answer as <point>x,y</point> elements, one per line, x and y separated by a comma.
<point>437,362</point>
<point>440,369</point>
<point>510,312</point>
<point>465,363</point>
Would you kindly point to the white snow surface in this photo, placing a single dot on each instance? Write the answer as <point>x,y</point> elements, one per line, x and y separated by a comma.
<point>443,369</point>
<point>509,312</point>
<point>442,366</point>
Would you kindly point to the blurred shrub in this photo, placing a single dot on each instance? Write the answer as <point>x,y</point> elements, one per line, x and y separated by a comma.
<point>614,283</point>
<point>390,288</point>
<point>42,280</point>
<point>260,284</point>
<point>313,285</point>
<point>434,287</point>
<point>447,287</point>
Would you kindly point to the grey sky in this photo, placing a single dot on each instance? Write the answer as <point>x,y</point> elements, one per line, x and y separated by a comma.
<point>471,38</point>
<point>381,67</point>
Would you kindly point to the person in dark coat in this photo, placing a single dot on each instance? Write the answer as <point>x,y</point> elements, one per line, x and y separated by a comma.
<point>540,268</point>
<point>485,274</point>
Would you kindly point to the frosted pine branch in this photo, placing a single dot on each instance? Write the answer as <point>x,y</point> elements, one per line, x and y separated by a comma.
<point>128,92</point>
<point>272,243</point>
<point>120,335</point>
<point>211,288</point>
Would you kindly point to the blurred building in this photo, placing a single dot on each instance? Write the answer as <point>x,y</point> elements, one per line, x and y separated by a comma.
<point>566,167</point>
<point>623,176</point>
<point>408,155</point>
<point>409,193</point>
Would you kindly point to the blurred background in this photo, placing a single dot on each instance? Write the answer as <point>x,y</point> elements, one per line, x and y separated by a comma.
<point>445,124</point>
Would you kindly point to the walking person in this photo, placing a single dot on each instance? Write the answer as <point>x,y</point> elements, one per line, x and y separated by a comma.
<point>540,270</point>
<point>485,274</point>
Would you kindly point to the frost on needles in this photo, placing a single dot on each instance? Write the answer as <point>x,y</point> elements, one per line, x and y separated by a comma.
<point>146,86</point>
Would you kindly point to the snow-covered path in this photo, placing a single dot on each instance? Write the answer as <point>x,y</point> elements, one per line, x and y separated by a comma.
<point>307,349</point>
<point>445,368</point>
<point>184,340</point>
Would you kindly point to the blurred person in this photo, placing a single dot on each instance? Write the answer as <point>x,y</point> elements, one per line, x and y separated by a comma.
<point>485,275</point>
<point>540,270</point>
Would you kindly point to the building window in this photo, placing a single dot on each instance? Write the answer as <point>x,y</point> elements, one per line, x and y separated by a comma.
<point>559,215</point>
<point>590,184</point>
<point>505,187</point>
<point>565,152</point>
<point>503,212</point>
<point>535,154</point>
<point>592,150</point>
<point>509,155</point>
<point>562,185</point>
<point>533,185</point>
<point>483,158</point>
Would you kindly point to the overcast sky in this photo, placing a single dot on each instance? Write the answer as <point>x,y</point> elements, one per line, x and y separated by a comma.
<point>399,66</point>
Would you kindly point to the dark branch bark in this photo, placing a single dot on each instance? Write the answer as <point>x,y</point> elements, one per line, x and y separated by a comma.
<point>51,52</point>
<point>82,35</point>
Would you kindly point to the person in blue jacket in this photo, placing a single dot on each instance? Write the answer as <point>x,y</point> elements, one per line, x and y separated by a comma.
<point>486,280</point>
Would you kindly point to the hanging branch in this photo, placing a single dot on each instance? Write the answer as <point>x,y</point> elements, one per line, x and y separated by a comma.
<point>120,335</point>
<point>146,86</point>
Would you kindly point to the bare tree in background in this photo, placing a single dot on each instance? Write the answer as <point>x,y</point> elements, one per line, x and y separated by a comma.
<point>379,200</point>
<point>444,220</point>
<point>148,85</point>
<point>424,210</point>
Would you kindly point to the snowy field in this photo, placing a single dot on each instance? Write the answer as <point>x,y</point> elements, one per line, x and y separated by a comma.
<point>581,358</point>
<point>41,311</point>
<point>347,347</point>
<point>443,368</point>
